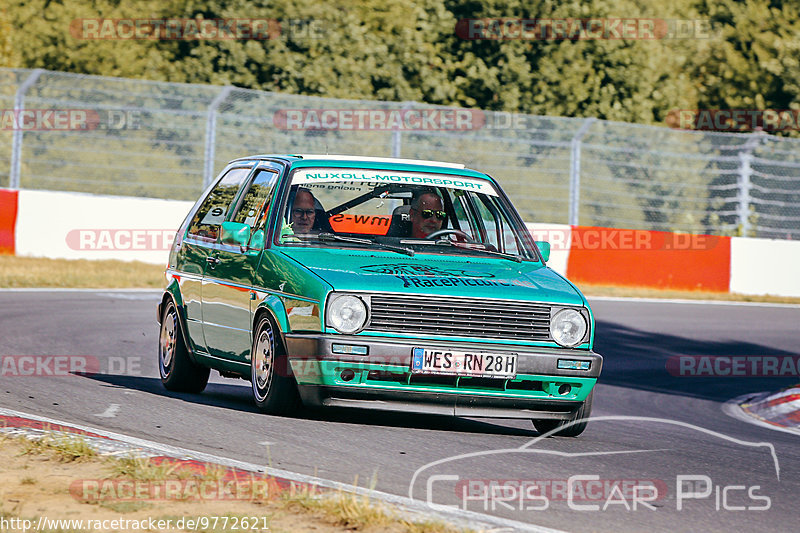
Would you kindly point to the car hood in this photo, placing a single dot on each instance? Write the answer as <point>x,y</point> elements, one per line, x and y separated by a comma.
<point>468,276</point>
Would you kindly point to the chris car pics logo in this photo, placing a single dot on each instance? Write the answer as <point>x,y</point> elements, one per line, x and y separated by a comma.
<point>654,479</point>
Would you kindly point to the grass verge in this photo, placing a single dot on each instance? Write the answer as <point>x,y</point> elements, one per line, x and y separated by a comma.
<point>25,272</point>
<point>62,477</point>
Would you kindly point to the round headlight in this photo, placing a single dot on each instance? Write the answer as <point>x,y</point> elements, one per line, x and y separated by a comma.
<point>347,314</point>
<point>567,327</point>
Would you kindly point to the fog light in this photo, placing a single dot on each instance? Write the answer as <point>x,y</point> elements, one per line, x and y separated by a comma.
<point>572,364</point>
<point>348,349</point>
<point>348,375</point>
<point>564,389</point>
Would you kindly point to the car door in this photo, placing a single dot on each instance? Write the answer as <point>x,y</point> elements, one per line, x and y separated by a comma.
<point>198,245</point>
<point>228,281</point>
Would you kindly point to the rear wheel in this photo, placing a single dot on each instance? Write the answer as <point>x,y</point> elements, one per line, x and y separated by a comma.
<point>178,372</point>
<point>274,390</point>
<point>573,430</point>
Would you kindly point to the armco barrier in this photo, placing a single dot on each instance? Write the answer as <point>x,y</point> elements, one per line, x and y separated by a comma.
<point>559,236</point>
<point>64,225</point>
<point>765,266</point>
<point>85,226</point>
<point>655,259</point>
<point>8,220</point>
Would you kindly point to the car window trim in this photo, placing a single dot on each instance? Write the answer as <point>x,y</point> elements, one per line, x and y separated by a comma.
<point>225,172</point>
<point>243,190</point>
<point>501,244</point>
<point>250,180</point>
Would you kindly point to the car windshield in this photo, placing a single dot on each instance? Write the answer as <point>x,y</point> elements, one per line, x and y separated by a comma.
<point>407,212</point>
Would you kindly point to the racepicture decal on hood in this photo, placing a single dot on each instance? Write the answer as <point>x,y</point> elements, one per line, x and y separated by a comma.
<point>433,276</point>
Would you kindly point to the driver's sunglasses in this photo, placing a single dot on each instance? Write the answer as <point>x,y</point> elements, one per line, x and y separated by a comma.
<point>300,212</point>
<point>428,213</point>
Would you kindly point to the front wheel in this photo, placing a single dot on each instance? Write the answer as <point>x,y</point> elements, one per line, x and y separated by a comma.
<point>573,430</point>
<point>274,390</point>
<point>178,372</point>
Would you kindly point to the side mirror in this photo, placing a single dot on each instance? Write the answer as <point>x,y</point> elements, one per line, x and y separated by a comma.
<point>257,241</point>
<point>234,233</point>
<point>544,248</point>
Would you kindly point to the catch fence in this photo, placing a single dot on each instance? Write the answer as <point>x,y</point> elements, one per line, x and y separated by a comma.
<point>144,138</point>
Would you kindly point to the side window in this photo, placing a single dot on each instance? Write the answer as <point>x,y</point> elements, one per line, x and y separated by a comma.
<point>497,227</point>
<point>490,223</point>
<point>257,196</point>
<point>465,222</point>
<point>206,222</point>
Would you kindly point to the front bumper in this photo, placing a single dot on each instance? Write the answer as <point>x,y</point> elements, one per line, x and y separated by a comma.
<point>383,379</point>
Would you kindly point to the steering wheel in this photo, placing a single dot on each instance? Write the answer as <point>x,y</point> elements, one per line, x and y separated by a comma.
<point>458,232</point>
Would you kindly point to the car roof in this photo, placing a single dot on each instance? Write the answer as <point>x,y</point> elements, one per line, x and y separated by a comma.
<point>354,158</point>
<point>370,162</point>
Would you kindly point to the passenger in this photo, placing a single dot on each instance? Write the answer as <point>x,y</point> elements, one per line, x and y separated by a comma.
<point>427,215</point>
<point>303,212</point>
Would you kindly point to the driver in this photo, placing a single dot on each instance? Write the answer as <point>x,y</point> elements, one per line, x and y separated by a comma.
<point>303,211</point>
<point>427,215</point>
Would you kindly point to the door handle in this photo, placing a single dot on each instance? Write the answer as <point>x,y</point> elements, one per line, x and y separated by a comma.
<point>213,261</point>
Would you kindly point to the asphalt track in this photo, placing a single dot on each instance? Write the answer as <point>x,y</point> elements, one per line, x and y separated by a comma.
<point>650,426</point>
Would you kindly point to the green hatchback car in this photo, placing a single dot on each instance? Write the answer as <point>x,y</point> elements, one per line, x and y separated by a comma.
<point>362,282</point>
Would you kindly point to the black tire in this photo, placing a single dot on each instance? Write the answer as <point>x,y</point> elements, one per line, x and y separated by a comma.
<point>274,389</point>
<point>178,372</point>
<point>582,413</point>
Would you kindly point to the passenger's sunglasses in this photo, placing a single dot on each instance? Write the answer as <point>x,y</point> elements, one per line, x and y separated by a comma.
<point>300,212</point>
<point>428,213</point>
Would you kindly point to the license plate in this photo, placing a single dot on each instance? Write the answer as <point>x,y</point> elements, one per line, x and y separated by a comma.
<point>457,363</point>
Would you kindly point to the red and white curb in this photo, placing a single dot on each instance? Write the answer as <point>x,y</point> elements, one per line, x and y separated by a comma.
<point>775,410</point>
<point>110,443</point>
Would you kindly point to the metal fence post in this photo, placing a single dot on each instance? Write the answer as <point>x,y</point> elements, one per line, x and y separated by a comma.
<point>745,172</point>
<point>575,171</point>
<point>211,135</point>
<point>16,140</point>
<point>743,210</point>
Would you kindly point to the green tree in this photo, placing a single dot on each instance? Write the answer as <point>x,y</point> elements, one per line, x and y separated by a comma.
<point>8,54</point>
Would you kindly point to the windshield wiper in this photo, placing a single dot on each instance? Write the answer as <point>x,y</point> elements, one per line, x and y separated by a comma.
<point>510,257</point>
<point>367,242</point>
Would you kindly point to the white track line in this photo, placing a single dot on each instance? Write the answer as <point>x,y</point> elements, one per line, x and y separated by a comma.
<point>464,519</point>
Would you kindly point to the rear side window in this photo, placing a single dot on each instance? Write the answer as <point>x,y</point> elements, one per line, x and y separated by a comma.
<point>206,222</point>
<point>257,196</point>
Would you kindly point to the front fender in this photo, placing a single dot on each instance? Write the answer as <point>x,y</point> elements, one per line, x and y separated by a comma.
<point>274,306</point>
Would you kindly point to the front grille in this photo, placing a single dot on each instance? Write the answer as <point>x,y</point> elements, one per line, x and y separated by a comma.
<point>460,317</point>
